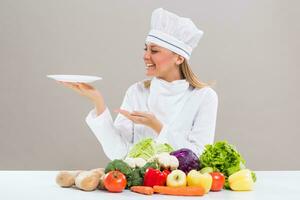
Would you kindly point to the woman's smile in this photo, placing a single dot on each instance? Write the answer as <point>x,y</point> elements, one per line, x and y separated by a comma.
<point>150,66</point>
<point>150,69</point>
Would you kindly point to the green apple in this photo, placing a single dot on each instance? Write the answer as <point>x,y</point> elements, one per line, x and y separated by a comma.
<point>176,178</point>
<point>195,178</point>
<point>206,170</point>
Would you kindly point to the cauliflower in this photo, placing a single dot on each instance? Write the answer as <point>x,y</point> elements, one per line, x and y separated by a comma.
<point>173,161</point>
<point>140,162</point>
<point>130,162</point>
<point>135,162</point>
<point>166,161</point>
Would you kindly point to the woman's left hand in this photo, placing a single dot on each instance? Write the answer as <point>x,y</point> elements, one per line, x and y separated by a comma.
<point>145,118</point>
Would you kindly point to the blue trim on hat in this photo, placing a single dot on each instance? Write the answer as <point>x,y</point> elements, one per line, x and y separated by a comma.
<point>170,44</point>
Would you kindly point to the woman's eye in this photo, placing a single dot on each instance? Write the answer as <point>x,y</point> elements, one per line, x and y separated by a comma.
<point>152,51</point>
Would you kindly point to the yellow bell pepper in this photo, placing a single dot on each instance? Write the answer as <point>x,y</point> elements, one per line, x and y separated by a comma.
<point>241,180</point>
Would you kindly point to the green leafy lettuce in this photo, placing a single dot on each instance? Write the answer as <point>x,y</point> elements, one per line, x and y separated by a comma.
<point>223,157</point>
<point>147,148</point>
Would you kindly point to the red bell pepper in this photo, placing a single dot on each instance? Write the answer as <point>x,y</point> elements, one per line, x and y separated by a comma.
<point>155,177</point>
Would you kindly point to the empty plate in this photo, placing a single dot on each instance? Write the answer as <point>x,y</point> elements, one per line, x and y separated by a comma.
<point>74,78</point>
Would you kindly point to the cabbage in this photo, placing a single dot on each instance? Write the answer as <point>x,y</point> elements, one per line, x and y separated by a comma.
<point>160,148</point>
<point>147,148</point>
<point>188,160</point>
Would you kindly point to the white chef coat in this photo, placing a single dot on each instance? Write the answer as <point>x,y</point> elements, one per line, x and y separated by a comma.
<point>188,116</point>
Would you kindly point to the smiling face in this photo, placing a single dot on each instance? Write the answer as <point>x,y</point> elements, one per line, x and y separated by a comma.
<point>162,63</point>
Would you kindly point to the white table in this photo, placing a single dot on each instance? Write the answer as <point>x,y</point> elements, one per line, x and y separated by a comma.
<point>37,185</point>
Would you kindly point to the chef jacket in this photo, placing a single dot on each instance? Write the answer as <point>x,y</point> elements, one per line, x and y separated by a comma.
<point>188,116</point>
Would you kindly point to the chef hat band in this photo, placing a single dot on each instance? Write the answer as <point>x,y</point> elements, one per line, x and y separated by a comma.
<point>175,33</point>
<point>169,42</point>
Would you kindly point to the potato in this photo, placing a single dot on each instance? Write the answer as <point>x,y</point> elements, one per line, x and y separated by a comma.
<point>66,178</point>
<point>87,180</point>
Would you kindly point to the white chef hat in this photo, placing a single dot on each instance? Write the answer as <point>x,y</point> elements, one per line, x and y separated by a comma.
<point>178,34</point>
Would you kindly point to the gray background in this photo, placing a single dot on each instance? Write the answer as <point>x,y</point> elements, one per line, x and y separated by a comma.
<point>250,47</point>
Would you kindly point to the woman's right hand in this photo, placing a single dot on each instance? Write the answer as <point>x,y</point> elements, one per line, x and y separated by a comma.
<point>88,91</point>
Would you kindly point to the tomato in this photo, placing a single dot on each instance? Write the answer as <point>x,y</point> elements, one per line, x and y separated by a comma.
<point>218,181</point>
<point>114,181</point>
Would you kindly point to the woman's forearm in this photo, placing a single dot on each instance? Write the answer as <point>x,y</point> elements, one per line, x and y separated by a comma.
<point>99,105</point>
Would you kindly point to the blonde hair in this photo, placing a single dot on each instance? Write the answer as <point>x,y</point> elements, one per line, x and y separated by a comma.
<point>188,74</point>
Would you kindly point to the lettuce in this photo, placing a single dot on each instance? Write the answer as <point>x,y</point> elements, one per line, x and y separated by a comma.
<point>222,157</point>
<point>147,148</point>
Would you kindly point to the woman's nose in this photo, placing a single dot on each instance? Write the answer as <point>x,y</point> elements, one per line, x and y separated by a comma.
<point>146,55</point>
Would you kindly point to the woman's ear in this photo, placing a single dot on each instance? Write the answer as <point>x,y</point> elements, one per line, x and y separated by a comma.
<point>180,60</point>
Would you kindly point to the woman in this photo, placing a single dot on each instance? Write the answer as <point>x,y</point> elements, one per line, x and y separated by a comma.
<point>173,107</point>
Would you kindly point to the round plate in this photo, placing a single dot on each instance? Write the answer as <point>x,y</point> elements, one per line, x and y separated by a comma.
<point>74,78</point>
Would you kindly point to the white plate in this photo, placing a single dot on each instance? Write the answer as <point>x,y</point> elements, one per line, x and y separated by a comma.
<point>74,78</point>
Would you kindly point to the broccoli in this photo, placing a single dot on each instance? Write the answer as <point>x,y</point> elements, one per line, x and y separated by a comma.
<point>135,178</point>
<point>137,175</point>
<point>119,165</point>
<point>148,165</point>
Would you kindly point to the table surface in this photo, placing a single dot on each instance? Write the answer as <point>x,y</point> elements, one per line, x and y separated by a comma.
<point>41,185</point>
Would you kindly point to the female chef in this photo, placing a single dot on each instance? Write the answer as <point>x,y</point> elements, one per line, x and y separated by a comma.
<point>173,107</point>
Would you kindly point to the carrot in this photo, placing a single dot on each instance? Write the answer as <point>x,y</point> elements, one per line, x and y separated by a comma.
<point>180,191</point>
<point>142,190</point>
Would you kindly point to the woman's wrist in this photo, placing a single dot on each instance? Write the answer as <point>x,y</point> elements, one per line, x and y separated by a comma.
<point>99,104</point>
<point>157,126</point>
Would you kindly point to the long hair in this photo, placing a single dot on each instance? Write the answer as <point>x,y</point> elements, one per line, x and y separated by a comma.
<point>188,74</point>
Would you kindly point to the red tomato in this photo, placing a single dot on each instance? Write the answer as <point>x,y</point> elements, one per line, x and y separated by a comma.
<point>218,181</point>
<point>114,181</point>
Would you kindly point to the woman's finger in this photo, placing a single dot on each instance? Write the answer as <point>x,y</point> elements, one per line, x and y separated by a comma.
<point>123,112</point>
<point>134,118</point>
<point>85,86</point>
<point>137,113</point>
<point>72,86</point>
<point>142,114</point>
<point>69,85</point>
<point>139,119</point>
